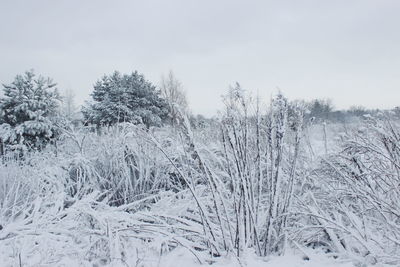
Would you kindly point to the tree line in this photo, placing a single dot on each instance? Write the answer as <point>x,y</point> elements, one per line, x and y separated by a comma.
<point>32,108</point>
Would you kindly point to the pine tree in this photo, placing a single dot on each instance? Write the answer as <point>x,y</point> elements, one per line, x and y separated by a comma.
<point>28,106</point>
<point>125,98</point>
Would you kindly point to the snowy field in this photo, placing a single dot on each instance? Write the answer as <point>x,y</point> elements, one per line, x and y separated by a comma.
<point>56,211</point>
<point>180,257</point>
<point>249,188</point>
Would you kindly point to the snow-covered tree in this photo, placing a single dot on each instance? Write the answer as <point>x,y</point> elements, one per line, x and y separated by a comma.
<point>28,106</point>
<point>68,104</point>
<point>320,109</point>
<point>172,91</point>
<point>125,98</point>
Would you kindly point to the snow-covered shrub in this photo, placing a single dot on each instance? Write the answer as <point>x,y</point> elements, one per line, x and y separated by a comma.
<point>261,154</point>
<point>248,175</point>
<point>353,203</point>
<point>121,162</point>
<point>94,203</point>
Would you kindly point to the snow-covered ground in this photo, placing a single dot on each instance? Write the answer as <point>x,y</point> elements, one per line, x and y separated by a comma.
<point>131,197</point>
<point>181,258</point>
<point>292,259</point>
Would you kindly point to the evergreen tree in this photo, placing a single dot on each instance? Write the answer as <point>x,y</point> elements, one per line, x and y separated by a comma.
<point>28,106</point>
<point>125,98</point>
<point>320,109</point>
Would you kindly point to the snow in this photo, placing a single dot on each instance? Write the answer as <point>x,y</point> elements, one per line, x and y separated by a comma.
<point>177,196</point>
<point>181,257</point>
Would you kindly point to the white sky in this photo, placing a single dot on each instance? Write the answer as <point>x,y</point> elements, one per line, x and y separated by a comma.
<point>346,50</point>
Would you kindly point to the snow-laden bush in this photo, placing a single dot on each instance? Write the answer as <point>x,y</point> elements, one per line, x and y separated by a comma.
<point>352,205</point>
<point>93,202</point>
<point>248,175</point>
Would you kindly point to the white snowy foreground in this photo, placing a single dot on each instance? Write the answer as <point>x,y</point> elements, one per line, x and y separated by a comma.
<point>183,258</point>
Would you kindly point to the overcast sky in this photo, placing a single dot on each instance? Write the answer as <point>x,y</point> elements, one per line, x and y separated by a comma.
<point>345,50</point>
